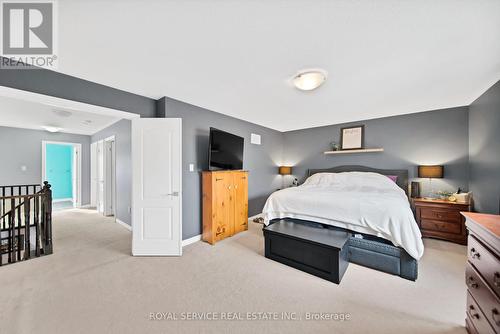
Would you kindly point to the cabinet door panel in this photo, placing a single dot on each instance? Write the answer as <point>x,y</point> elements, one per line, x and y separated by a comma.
<point>241,201</point>
<point>223,206</point>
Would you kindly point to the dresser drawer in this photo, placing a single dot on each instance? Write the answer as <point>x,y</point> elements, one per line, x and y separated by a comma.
<point>485,262</point>
<point>441,226</point>
<point>477,317</point>
<point>487,300</point>
<point>470,327</point>
<point>440,214</point>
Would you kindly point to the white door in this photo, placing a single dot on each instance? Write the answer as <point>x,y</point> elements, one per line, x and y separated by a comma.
<point>93,175</point>
<point>156,186</point>
<point>75,177</point>
<point>109,176</point>
<point>100,176</point>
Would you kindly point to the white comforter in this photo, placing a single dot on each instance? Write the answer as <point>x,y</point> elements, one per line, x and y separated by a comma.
<point>368,203</point>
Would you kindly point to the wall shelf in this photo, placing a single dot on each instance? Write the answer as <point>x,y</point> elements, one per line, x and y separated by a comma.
<point>363,150</point>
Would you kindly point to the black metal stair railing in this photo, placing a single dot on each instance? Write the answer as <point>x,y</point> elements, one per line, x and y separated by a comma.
<point>25,222</point>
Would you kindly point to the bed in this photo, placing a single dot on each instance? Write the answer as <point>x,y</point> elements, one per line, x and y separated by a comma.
<point>363,201</point>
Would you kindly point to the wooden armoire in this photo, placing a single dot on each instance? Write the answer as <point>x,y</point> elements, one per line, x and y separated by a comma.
<point>225,204</point>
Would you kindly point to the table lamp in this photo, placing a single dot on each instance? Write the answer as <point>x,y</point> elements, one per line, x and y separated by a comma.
<point>431,172</point>
<point>285,170</point>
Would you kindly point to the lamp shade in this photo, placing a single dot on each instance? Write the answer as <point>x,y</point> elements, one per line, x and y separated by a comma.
<point>431,172</point>
<point>285,170</point>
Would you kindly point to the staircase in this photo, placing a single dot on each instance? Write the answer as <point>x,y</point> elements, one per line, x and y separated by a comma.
<point>25,222</point>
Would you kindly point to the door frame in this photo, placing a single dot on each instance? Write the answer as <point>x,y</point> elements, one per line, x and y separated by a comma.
<point>78,179</point>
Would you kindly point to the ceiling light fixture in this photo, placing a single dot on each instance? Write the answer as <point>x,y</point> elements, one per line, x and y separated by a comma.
<point>51,128</point>
<point>62,113</point>
<point>309,80</point>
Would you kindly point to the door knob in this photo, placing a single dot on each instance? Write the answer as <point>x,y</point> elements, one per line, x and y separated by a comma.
<point>175,193</point>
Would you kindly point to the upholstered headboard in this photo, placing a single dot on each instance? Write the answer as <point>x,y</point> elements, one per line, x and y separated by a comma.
<point>402,174</point>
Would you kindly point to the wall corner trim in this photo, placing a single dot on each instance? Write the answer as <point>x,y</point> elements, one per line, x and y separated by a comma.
<point>161,107</point>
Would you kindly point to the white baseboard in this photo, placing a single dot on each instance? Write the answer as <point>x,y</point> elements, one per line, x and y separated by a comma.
<point>191,240</point>
<point>86,206</point>
<point>184,242</point>
<point>62,200</point>
<point>127,226</point>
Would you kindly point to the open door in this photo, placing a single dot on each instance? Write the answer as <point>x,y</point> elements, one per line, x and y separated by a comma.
<point>100,176</point>
<point>93,175</point>
<point>156,187</point>
<point>109,176</point>
<point>76,176</point>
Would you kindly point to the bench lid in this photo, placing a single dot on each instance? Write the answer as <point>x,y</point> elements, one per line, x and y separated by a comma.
<point>323,236</point>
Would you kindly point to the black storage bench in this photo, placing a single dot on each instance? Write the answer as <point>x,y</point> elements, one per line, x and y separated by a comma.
<point>362,249</point>
<point>321,252</point>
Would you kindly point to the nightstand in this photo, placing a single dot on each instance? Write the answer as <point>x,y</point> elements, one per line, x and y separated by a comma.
<point>441,219</point>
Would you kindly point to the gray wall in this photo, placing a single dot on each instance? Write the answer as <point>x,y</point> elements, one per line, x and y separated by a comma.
<point>438,137</point>
<point>435,137</point>
<point>64,86</point>
<point>260,160</point>
<point>24,147</point>
<point>484,150</point>
<point>122,132</point>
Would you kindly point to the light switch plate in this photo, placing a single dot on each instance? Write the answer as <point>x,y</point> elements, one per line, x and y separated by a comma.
<point>191,167</point>
<point>255,139</point>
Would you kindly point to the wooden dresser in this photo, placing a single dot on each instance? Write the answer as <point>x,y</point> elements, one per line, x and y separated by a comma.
<point>482,274</point>
<point>441,219</point>
<point>225,204</point>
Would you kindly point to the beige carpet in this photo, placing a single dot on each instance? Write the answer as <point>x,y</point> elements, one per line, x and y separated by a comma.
<point>91,284</point>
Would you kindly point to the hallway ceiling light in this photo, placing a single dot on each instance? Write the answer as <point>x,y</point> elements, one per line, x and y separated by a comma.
<point>51,128</point>
<point>309,80</point>
<point>62,113</point>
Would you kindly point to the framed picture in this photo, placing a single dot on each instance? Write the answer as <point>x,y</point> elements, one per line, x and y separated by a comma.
<point>352,138</point>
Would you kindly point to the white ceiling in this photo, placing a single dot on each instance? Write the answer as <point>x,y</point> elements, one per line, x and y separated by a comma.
<point>237,57</point>
<point>31,115</point>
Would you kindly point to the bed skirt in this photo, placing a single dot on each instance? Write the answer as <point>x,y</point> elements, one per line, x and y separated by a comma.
<point>374,252</point>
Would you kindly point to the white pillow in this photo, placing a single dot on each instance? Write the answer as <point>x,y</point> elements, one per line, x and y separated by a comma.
<point>351,179</point>
<point>320,179</point>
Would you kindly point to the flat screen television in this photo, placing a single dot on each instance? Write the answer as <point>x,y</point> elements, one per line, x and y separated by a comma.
<point>225,150</point>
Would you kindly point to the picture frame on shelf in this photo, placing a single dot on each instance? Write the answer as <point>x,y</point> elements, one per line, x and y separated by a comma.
<point>352,137</point>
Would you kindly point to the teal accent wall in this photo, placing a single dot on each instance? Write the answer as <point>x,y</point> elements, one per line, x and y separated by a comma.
<point>58,164</point>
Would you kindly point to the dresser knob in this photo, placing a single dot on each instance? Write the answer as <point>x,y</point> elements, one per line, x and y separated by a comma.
<point>472,313</point>
<point>496,279</point>
<point>495,316</point>
<point>471,284</point>
<point>474,254</point>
